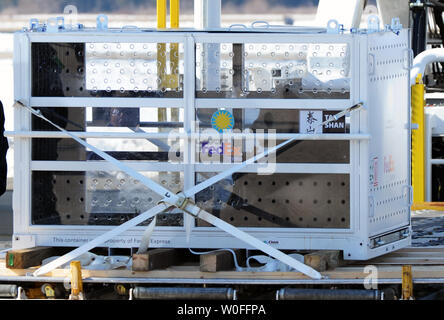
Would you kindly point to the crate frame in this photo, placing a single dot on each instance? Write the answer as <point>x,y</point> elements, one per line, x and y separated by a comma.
<point>355,241</point>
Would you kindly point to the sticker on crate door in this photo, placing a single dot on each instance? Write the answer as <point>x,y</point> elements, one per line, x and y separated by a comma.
<point>310,121</point>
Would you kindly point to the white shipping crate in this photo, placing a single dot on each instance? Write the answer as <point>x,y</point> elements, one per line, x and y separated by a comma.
<point>343,186</point>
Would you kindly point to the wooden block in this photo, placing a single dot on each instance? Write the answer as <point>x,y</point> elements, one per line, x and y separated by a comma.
<point>25,258</point>
<point>219,261</point>
<point>324,260</point>
<point>156,259</point>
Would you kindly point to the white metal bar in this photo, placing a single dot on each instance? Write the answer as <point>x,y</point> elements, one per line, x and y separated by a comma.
<point>176,232</point>
<point>172,135</point>
<point>263,37</point>
<point>68,102</point>
<point>301,104</point>
<point>22,147</point>
<point>95,135</point>
<point>138,36</point>
<point>318,168</point>
<point>19,72</point>
<point>189,121</point>
<point>355,174</point>
<point>104,166</point>
<point>362,125</point>
<point>110,36</point>
<point>437,161</point>
<point>312,168</point>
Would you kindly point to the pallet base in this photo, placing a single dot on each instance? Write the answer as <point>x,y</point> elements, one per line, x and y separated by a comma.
<point>423,271</point>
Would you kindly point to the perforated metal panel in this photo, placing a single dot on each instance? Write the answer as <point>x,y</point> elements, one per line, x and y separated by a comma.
<point>102,70</point>
<point>273,70</point>
<point>131,67</point>
<point>97,198</point>
<point>279,200</point>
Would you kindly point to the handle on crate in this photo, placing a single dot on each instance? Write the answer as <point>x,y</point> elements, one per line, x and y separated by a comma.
<point>333,26</point>
<point>371,64</point>
<point>410,194</point>
<point>265,23</point>
<point>408,59</point>
<point>371,206</point>
<point>129,27</point>
<point>240,25</point>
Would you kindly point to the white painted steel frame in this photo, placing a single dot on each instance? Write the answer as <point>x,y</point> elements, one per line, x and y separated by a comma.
<point>383,102</point>
<point>353,241</point>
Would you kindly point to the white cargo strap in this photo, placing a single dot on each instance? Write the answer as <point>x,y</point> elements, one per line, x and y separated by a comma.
<point>272,265</point>
<point>145,242</point>
<point>173,199</point>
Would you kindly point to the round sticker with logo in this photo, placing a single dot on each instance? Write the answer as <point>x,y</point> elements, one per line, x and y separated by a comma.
<point>222,121</point>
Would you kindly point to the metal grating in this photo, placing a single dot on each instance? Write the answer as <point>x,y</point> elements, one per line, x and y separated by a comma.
<point>97,198</point>
<point>279,200</point>
<point>267,70</point>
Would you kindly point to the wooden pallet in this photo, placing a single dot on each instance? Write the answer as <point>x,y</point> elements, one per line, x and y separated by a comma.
<point>427,265</point>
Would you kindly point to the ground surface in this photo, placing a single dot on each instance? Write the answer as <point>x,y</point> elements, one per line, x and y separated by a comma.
<point>428,228</point>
